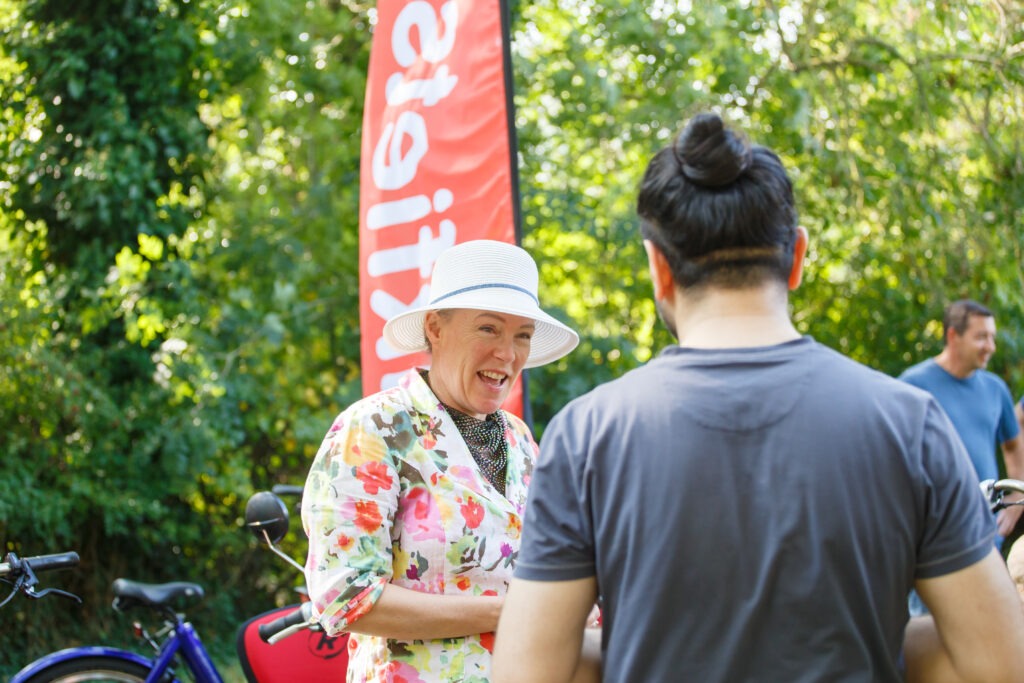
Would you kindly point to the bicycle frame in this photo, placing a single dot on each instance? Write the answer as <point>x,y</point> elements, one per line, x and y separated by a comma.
<point>182,639</point>
<point>267,516</point>
<point>186,640</point>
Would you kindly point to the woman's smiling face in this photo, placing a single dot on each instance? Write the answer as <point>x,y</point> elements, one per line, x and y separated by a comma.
<point>476,356</point>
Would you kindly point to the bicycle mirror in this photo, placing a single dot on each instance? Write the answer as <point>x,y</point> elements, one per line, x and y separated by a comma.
<point>265,512</point>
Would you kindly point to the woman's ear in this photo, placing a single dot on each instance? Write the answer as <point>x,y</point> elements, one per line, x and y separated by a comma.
<point>796,271</point>
<point>432,327</point>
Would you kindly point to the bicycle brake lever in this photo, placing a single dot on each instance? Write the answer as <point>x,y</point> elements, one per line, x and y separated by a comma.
<point>36,595</point>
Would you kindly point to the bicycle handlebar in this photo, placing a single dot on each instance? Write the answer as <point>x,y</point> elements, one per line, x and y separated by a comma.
<point>13,564</point>
<point>286,490</point>
<point>995,492</point>
<point>282,627</point>
<point>22,571</point>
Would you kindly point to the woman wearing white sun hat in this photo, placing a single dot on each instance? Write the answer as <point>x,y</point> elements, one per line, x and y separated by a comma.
<point>413,504</point>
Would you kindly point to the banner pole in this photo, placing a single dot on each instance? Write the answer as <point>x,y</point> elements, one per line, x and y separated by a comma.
<point>513,156</point>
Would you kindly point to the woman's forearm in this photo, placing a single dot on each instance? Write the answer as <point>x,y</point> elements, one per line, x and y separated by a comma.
<point>405,614</point>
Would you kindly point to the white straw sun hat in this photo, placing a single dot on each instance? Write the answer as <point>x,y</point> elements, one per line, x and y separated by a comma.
<point>485,275</point>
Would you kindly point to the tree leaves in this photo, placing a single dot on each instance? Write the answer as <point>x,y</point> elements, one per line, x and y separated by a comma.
<point>886,115</point>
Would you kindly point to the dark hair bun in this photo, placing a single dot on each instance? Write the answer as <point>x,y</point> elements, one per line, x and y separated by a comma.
<point>710,155</point>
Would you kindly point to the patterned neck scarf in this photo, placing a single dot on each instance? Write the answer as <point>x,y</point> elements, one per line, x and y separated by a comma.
<point>485,438</point>
<point>487,443</point>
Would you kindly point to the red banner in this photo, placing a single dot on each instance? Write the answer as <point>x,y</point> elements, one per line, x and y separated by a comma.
<point>437,167</point>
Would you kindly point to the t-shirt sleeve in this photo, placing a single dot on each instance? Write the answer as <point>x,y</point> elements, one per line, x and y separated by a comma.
<point>959,529</point>
<point>558,540</point>
<point>1008,427</point>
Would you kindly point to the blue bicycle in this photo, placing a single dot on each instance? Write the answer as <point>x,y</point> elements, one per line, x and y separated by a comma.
<point>178,645</point>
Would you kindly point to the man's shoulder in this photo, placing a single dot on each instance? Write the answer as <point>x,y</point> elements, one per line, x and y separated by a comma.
<point>878,383</point>
<point>822,362</point>
<point>992,379</point>
<point>923,370</point>
<point>609,397</point>
<point>616,387</point>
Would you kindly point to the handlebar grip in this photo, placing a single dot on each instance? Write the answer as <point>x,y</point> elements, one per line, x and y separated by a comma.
<point>286,490</point>
<point>44,563</point>
<point>300,616</point>
<point>1008,485</point>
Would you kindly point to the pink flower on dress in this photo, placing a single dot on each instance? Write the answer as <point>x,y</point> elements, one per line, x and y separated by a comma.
<point>472,478</point>
<point>419,515</point>
<point>400,672</point>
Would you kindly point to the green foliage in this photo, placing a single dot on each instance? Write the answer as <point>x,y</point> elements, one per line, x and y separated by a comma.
<point>282,268</point>
<point>899,121</point>
<point>99,457</point>
<point>178,235</point>
<point>114,91</point>
<point>103,154</point>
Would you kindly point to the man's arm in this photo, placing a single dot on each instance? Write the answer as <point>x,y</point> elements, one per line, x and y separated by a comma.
<point>542,636</point>
<point>1013,456</point>
<point>976,629</point>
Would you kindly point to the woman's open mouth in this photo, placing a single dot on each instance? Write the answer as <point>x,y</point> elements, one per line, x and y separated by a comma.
<point>494,379</point>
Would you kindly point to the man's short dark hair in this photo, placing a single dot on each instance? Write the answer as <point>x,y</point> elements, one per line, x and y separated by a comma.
<point>957,315</point>
<point>721,210</point>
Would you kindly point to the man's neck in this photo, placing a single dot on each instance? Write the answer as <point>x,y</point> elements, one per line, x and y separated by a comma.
<point>948,362</point>
<point>727,318</point>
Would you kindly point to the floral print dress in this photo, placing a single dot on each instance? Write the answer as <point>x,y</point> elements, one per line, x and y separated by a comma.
<point>394,496</point>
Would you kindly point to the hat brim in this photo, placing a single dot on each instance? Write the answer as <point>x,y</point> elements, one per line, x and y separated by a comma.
<point>551,339</point>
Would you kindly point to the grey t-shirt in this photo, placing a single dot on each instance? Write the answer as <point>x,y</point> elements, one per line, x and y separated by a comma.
<point>753,515</point>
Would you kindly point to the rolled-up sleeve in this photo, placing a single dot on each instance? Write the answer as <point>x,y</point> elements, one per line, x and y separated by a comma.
<point>348,509</point>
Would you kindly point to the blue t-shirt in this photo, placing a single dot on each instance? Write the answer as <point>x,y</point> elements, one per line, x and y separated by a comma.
<point>979,406</point>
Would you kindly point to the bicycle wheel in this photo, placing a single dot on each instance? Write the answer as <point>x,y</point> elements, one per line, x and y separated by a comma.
<point>92,669</point>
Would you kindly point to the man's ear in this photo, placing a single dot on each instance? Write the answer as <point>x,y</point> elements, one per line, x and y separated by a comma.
<point>951,335</point>
<point>796,271</point>
<point>661,274</point>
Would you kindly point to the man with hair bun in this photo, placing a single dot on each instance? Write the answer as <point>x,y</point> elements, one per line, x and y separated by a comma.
<point>750,505</point>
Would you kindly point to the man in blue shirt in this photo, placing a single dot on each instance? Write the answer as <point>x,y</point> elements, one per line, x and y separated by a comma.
<point>978,402</point>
